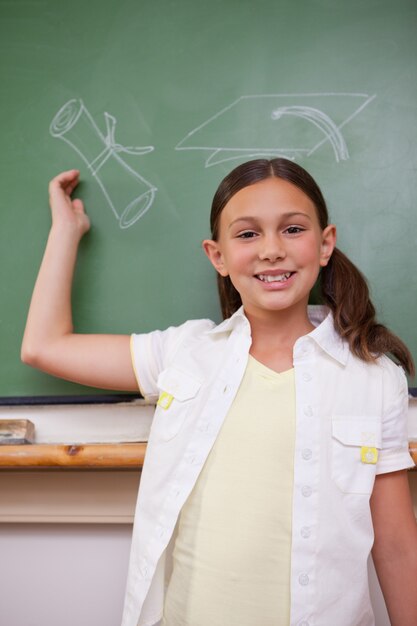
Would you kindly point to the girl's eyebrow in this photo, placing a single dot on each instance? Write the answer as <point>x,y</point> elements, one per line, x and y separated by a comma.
<point>250,218</point>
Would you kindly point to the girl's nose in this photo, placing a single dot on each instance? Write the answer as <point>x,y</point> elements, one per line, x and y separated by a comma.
<point>272,250</point>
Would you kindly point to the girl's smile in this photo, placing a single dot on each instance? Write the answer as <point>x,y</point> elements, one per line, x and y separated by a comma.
<point>271,246</point>
<point>275,279</point>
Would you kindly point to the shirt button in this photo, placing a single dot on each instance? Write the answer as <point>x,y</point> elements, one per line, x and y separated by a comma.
<point>306,491</point>
<point>307,454</point>
<point>307,377</point>
<point>305,532</point>
<point>308,411</point>
<point>303,579</point>
<point>370,456</point>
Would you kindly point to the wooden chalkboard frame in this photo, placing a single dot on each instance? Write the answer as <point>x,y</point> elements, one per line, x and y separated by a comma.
<point>104,399</point>
<point>76,400</point>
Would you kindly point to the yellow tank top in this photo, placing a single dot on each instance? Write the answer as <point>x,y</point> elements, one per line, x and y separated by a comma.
<point>232,555</point>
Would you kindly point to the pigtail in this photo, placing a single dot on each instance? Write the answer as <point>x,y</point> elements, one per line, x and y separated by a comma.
<point>345,291</point>
<point>230,300</point>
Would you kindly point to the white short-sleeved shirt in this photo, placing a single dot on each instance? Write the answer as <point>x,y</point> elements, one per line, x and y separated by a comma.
<point>350,426</point>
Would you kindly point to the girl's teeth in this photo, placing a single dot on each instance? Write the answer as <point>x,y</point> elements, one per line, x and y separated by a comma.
<point>271,279</point>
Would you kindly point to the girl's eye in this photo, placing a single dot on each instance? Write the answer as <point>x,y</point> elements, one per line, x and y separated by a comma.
<point>248,234</point>
<point>294,230</point>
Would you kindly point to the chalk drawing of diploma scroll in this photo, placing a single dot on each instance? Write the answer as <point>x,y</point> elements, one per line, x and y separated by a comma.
<point>272,125</point>
<point>131,196</point>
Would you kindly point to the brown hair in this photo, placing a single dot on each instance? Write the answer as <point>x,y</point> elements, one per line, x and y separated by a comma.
<point>342,287</point>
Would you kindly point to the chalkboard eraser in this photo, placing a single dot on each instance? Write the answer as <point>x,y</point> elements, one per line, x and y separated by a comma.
<point>16,432</point>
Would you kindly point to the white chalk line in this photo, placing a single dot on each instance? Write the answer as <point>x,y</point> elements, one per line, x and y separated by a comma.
<point>318,118</point>
<point>112,150</point>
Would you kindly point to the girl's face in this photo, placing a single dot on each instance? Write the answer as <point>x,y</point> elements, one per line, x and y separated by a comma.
<point>271,246</point>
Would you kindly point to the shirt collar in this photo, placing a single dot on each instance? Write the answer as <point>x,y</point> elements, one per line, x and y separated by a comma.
<point>324,334</point>
<point>237,320</point>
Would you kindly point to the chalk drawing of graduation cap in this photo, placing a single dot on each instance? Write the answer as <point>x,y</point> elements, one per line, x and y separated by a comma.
<point>287,125</point>
<point>128,194</point>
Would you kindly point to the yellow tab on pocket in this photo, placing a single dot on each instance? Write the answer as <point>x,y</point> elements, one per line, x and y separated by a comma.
<point>165,400</point>
<point>369,455</point>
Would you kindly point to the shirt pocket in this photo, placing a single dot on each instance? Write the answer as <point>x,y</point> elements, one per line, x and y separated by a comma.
<point>177,391</point>
<point>355,446</point>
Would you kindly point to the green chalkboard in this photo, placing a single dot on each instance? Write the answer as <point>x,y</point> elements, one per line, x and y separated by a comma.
<point>155,101</point>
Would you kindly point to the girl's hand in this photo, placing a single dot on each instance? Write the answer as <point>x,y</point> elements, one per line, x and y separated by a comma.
<point>49,342</point>
<point>68,213</point>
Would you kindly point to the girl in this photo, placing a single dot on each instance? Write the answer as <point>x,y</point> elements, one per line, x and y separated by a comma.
<point>278,450</point>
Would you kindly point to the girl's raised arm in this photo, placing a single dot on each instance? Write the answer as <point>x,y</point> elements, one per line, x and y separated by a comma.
<point>49,341</point>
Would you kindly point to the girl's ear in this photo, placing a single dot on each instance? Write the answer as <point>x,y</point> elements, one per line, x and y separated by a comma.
<point>328,243</point>
<point>212,249</point>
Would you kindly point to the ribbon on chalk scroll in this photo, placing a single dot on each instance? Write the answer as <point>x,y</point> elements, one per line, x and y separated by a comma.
<point>114,148</point>
<point>128,194</point>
